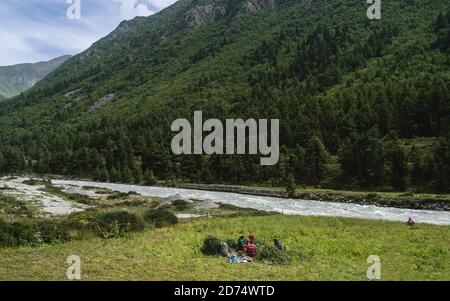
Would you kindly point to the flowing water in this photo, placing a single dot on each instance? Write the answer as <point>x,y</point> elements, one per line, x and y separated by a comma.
<point>280,205</point>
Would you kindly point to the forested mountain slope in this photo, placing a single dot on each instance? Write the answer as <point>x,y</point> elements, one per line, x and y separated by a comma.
<point>19,78</point>
<point>346,90</point>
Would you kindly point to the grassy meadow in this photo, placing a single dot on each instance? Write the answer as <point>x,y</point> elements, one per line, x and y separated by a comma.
<point>324,248</point>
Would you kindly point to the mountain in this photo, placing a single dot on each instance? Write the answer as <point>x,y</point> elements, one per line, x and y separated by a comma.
<point>352,95</point>
<point>19,78</point>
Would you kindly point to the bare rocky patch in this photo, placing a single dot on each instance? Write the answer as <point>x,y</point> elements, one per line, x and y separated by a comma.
<point>102,102</point>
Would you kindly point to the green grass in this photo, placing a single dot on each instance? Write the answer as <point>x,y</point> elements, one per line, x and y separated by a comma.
<point>58,191</point>
<point>356,192</point>
<point>334,249</point>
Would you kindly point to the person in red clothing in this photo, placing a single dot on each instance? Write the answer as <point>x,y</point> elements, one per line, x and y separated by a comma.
<point>410,222</point>
<point>251,238</point>
<point>251,250</point>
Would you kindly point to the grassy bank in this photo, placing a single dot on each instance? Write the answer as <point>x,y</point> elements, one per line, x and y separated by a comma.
<point>333,248</point>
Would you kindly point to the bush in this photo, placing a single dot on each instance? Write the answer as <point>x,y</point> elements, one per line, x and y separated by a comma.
<point>211,246</point>
<point>76,229</point>
<point>118,195</point>
<point>160,218</point>
<point>17,234</point>
<point>24,234</point>
<point>180,205</point>
<point>37,182</point>
<point>270,253</point>
<point>117,224</point>
<point>49,231</point>
<point>232,243</point>
<point>371,195</point>
<point>6,239</point>
<point>76,226</point>
<point>79,198</point>
<point>408,194</point>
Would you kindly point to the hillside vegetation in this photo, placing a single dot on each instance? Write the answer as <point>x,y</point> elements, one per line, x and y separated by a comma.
<point>348,92</point>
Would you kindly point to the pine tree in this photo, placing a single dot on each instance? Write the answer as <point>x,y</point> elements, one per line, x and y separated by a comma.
<point>149,177</point>
<point>114,175</point>
<point>14,161</point>
<point>2,162</point>
<point>417,169</point>
<point>127,176</point>
<point>290,185</point>
<point>442,157</point>
<point>138,176</point>
<point>315,159</point>
<point>398,164</point>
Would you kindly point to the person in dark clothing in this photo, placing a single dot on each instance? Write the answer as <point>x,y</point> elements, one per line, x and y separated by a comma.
<point>410,222</point>
<point>241,244</point>
<point>278,244</point>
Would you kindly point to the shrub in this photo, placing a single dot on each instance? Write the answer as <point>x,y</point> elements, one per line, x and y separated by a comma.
<point>49,231</point>
<point>160,217</point>
<point>77,226</point>
<point>18,234</point>
<point>408,194</point>
<point>6,239</point>
<point>79,198</point>
<point>116,224</point>
<point>37,182</point>
<point>270,253</point>
<point>372,195</point>
<point>180,205</point>
<point>232,243</point>
<point>15,207</point>
<point>211,246</point>
<point>24,234</point>
<point>118,195</point>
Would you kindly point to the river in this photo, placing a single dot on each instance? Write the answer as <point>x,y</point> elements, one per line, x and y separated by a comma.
<point>280,205</point>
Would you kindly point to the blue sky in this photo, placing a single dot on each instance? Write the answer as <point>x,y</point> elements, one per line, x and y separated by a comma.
<point>38,30</point>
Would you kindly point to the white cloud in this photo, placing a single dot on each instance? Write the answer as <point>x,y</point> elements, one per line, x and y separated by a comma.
<point>133,8</point>
<point>162,3</point>
<point>143,8</point>
<point>32,30</point>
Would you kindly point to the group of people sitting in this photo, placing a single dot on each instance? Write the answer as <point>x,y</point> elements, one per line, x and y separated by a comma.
<point>246,249</point>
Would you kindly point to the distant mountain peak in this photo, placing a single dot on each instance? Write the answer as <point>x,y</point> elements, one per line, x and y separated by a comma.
<point>16,79</point>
